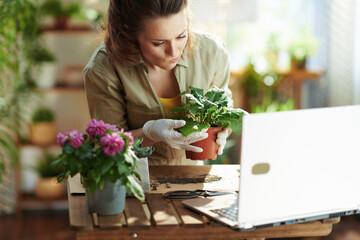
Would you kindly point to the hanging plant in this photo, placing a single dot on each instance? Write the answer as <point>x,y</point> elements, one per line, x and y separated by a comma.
<point>18,31</point>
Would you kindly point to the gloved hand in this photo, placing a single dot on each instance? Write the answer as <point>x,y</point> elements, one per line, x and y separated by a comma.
<point>164,130</point>
<point>221,139</point>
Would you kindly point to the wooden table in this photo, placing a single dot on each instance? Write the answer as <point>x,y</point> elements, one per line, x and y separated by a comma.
<point>160,218</point>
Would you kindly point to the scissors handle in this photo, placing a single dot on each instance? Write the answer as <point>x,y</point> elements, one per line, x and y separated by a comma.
<point>181,194</point>
<point>192,194</point>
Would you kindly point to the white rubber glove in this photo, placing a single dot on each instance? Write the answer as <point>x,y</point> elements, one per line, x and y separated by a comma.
<point>221,139</point>
<point>164,130</point>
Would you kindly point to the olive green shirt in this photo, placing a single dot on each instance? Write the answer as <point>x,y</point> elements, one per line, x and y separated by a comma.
<point>126,98</point>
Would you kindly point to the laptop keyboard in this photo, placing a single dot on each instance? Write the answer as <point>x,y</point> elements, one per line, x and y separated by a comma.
<point>229,212</point>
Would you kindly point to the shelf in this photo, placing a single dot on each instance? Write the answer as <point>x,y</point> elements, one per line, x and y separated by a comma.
<point>30,201</point>
<point>62,89</point>
<point>75,29</point>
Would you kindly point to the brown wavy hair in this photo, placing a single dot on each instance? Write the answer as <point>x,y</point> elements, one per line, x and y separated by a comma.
<point>126,19</point>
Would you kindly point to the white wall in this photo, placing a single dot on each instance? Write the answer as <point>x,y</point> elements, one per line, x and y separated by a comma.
<point>71,47</point>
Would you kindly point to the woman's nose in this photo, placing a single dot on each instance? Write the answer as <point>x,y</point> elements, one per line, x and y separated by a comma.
<point>171,49</point>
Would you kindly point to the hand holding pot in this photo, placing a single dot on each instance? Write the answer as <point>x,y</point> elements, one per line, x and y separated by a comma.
<point>221,139</point>
<point>164,130</point>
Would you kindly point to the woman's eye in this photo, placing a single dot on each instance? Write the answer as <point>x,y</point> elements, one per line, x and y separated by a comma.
<point>182,36</point>
<point>156,44</point>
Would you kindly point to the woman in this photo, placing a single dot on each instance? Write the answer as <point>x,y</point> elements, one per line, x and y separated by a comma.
<point>149,56</point>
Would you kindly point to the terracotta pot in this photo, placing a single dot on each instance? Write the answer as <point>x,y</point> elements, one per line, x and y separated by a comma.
<point>298,65</point>
<point>43,133</point>
<point>49,188</point>
<point>209,146</point>
<point>62,23</point>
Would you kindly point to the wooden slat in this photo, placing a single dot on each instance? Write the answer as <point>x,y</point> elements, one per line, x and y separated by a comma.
<point>80,219</point>
<point>111,222</point>
<point>188,218</point>
<point>287,231</point>
<point>95,219</point>
<point>135,215</point>
<point>161,213</point>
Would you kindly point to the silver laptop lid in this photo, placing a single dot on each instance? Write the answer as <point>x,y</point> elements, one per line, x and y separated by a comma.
<point>298,164</point>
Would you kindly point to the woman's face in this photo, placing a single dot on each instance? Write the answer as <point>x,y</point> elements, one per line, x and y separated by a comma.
<point>163,40</point>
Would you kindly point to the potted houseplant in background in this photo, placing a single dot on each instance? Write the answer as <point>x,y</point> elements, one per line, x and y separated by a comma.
<point>61,11</point>
<point>207,111</point>
<point>300,48</point>
<point>262,92</point>
<point>47,186</point>
<point>106,161</point>
<point>45,66</point>
<point>42,127</point>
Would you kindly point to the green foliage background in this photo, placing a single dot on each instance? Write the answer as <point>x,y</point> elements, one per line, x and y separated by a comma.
<point>18,31</point>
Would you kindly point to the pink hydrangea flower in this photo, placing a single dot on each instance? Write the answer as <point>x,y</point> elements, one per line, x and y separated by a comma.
<point>112,143</point>
<point>76,138</point>
<point>61,139</point>
<point>111,127</point>
<point>96,128</point>
<point>129,135</point>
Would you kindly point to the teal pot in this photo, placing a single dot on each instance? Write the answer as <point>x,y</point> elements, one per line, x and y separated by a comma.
<point>107,201</point>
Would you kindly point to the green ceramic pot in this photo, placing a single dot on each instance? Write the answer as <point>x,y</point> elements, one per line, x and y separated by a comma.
<point>108,201</point>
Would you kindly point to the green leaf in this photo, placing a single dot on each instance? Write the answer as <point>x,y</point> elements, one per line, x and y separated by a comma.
<point>68,149</point>
<point>192,126</point>
<point>223,102</point>
<point>106,164</point>
<point>141,151</point>
<point>233,119</point>
<point>234,124</point>
<point>85,152</point>
<point>193,100</point>
<point>208,104</point>
<point>129,159</point>
<point>198,92</point>
<point>195,109</point>
<point>137,175</point>
<point>93,175</point>
<point>176,110</point>
<point>214,94</point>
<point>123,169</point>
<point>135,188</point>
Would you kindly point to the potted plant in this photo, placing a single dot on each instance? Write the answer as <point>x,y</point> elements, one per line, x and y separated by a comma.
<point>300,48</point>
<point>61,12</point>
<point>47,186</point>
<point>207,111</point>
<point>45,66</point>
<point>42,128</point>
<point>143,166</point>
<point>106,161</point>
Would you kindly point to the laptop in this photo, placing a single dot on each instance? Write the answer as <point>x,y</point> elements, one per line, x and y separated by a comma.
<point>296,166</point>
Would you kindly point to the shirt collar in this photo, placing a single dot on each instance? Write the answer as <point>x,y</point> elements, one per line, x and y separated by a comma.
<point>184,60</point>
